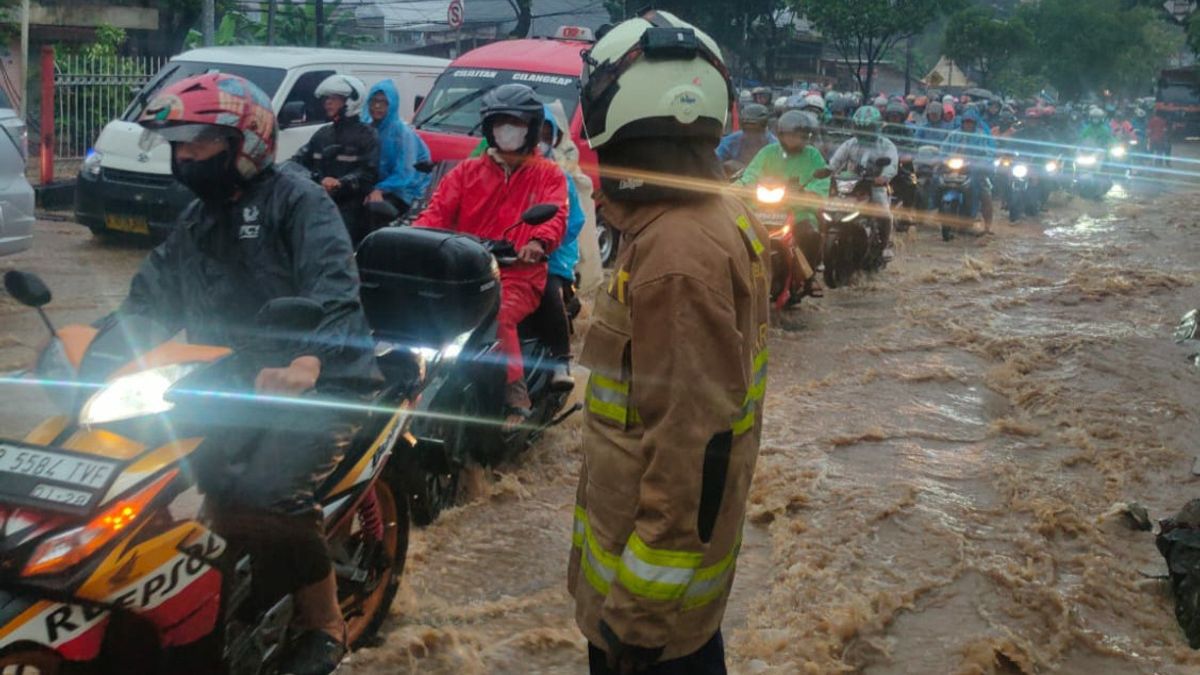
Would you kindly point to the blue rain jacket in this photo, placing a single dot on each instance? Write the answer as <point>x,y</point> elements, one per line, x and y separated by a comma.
<point>399,149</point>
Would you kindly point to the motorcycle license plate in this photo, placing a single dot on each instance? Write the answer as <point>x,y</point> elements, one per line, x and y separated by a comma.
<point>53,479</point>
<point>772,218</point>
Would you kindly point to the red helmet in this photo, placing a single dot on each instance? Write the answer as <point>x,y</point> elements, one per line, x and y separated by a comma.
<point>217,103</point>
<point>948,113</point>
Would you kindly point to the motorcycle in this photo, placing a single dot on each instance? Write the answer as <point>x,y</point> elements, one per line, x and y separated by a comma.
<point>851,239</point>
<point>952,184</point>
<point>1089,179</point>
<point>460,410</point>
<point>1019,186</point>
<point>112,556</point>
<point>793,251</point>
<point>906,190</point>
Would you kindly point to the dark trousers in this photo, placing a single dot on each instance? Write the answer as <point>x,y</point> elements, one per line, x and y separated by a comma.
<point>549,321</point>
<point>708,660</point>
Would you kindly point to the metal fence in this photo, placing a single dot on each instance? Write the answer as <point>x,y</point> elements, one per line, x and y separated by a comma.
<point>89,93</point>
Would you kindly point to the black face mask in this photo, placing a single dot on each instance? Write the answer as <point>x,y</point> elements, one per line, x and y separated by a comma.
<point>212,179</point>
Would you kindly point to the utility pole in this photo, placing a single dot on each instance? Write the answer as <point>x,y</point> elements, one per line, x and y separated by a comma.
<point>271,22</point>
<point>908,66</point>
<point>320,20</point>
<point>207,21</point>
<point>24,59</point>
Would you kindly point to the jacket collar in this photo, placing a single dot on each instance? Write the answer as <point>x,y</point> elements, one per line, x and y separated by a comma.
<point>631,219</point>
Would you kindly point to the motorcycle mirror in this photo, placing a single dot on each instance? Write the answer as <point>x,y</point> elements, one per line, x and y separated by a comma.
<point>539,213</point>
<point>27,288</point>
<point>424,167</point>
<point>382,210</point>
<point>291,315</point>
<point>821,174</point>
<point>882,162</point>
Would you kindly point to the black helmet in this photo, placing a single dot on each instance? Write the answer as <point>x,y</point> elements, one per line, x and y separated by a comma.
<point>513,100</point>
<point>755,114</point>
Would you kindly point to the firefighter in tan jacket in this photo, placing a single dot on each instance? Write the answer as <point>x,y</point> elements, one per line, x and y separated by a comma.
<point>678,359</point>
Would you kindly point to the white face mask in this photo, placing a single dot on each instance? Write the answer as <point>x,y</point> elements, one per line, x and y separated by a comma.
<point>510,137</point>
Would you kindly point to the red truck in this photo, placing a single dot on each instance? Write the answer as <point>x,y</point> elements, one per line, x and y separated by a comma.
<point>448,119</point>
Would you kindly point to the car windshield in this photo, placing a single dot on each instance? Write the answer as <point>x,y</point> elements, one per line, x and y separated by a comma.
<point>1182,93</point>
<point>267,79</point>
<point>453,105</point>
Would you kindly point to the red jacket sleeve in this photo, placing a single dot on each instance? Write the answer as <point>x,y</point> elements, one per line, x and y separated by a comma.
<point>552,189</point>
<point>442,211</point>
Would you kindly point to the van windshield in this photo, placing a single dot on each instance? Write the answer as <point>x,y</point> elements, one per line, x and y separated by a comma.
<point>267,79</point>
<point>453,105</point>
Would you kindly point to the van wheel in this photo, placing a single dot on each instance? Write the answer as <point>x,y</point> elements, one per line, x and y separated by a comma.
<point>609,241</point>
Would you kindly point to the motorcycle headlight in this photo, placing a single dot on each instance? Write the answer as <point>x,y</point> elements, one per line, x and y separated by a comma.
<point>1020,171</point>
<point>1118,151</point>
<point>850,217</point>
<point>91,164</point>
<point>1086,160</point>
<point>134,395</point>
<point>996,163</point>
<point>828,218</point>
<point>956,163</point>
<point>770,195</point>
<point>1051,166</point>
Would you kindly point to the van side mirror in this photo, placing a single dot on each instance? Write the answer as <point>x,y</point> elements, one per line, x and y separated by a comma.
<point>292,112</point>
<point>28,288</point>
<point>539,213</point>
<point>417,103</point>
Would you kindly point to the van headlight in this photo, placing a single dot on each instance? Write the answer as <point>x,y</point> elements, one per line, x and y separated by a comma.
<point>91,164</point>
<point>135,395</point>
<point>1020,171</point>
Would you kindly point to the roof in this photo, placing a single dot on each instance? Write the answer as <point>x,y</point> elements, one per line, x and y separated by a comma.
<point>293,57</point>
<point>430,15</point>
<point>558,57</point>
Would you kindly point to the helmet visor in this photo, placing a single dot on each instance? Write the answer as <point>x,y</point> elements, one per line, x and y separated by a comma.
<point>152,137</point>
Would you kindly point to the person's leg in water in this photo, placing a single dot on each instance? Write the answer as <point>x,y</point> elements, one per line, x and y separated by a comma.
<point>881,198</point>
<point>519,297</point>
<point>553,328</point>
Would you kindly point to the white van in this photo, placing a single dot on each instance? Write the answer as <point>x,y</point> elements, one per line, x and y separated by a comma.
<point>121,188</point>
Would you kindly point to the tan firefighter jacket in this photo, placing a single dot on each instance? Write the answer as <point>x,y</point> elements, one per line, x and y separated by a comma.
<point>678,354</point>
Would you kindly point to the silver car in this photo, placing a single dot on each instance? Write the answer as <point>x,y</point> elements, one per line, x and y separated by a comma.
<point>16,195</point>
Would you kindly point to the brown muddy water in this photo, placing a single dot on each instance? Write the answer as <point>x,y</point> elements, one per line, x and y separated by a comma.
<point>945,446</point>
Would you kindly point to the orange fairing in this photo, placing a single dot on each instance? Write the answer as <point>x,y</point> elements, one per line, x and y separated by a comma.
<point>76,340</point>
<point>170,353</point>
<point>63,551</point>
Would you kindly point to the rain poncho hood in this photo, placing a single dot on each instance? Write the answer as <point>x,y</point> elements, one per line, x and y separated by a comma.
<point>399,148</point>
<point>566,256</point>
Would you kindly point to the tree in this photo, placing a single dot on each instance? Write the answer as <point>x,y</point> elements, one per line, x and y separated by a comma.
<point>864,31</point>
<point>1097,45</point>
<point>976,37</point>
<point>295,25</point>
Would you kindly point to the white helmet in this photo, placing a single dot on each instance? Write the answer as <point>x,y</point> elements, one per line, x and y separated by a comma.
<point>780,103</point>
<point>652,77</point>
<point>347,86</point>
<point>814,101</point>
<point>1096,113</point>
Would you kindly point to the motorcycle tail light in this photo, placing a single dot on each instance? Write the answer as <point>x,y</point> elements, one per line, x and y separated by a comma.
<point>67,549</point>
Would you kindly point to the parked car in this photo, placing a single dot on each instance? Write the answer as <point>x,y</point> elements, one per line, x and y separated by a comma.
<point>16,194</point>
<point>125,189</point>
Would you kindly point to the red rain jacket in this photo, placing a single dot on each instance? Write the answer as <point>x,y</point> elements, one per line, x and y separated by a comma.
<point>482,198</point>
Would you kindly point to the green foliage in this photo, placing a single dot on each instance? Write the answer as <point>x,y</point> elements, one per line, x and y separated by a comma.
<point>864,31</point>
<point>1193,33</point>
<point>295,25</point>
<point>978,38</point>
<point>1082,47</point>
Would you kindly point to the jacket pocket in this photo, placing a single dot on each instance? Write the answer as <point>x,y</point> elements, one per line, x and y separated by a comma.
<point>606,354</point>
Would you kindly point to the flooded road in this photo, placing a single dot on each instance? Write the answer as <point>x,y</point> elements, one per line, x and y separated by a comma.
<point>943,445</point>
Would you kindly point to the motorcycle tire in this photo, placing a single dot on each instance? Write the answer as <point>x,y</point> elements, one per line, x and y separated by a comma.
<point>1016,207</point>
<point>433,486</point>
<point>947,233</point>
<point>368,603</point>
<point>832,256</point>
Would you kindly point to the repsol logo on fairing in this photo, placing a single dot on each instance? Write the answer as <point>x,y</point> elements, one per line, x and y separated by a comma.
<point>150,591</point>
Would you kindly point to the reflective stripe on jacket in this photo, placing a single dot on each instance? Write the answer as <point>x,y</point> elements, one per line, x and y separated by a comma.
<point>673,418</point>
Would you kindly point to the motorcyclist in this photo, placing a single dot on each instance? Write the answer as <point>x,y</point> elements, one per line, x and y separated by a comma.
<point>859,153</point>
<point>894,126</point>
<point>762,96</point>
<point>917,110</point>
<point>1159,140</point>
<point>254,234</point>
<point>793,160</point>
<point>400,149</point>
<point>550,318</point>
<point>485,196</point>
<point>978,147</point>
<point>1122,127</point>
<point>741,146</point>
<point>933,129</point>
<point>1096,132</point>
<point>815,104</point>
<point>343,156</point>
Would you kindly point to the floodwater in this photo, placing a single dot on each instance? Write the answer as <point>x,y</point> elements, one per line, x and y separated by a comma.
<point>946,447</point>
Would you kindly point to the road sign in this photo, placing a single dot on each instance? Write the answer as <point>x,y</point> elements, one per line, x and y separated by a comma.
<point>455,14</point>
